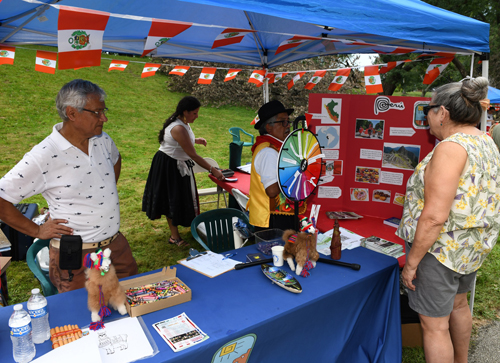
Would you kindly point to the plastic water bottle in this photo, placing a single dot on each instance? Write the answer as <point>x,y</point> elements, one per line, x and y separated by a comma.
<point>23,348</point>
<point>37,308</point>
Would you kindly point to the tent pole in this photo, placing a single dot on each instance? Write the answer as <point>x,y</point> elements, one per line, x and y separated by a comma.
<point>265,89</point>
<point>485,62</point>
<point>472,66</point>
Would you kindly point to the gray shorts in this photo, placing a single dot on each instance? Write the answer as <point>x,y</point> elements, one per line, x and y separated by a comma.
<point>436,287</point>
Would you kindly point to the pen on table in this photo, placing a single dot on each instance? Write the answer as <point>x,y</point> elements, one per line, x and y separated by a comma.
<point>229,255</point>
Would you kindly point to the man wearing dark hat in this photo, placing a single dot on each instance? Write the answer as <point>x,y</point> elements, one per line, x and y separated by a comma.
<point>267,206</point>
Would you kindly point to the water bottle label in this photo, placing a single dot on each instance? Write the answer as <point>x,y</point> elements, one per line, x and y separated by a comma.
<point>38,313</point>
<point>20,331</point>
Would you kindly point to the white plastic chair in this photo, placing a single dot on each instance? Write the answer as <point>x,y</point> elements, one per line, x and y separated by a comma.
<point>210,191</point>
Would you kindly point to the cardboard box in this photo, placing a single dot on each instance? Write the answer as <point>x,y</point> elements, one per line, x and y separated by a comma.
<point>168,273</point>
<point>412,335</point>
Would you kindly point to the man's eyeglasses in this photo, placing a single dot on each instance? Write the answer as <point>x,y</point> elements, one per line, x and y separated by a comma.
<point>97,113</point>
<point>284,122</point>
<point>427,108</point>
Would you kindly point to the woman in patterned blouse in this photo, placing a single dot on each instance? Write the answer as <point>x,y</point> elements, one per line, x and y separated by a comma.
<point>451,218</point>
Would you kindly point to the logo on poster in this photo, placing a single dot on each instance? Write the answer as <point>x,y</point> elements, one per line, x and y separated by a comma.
<point>383,104</point>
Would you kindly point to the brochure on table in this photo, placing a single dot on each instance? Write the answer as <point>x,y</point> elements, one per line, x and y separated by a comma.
<point>372,145</point>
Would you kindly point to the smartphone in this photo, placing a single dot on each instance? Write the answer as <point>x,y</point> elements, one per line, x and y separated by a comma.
<point>70,252</point>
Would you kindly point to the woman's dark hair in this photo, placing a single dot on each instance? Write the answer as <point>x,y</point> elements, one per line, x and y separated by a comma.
<point>188,103</point>
<point>462,99</point>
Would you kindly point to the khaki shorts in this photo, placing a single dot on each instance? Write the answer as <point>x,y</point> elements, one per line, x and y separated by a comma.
<point>436,287</point>
<point>121,257</point>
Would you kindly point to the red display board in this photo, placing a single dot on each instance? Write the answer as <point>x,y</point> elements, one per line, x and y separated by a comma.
<point>372,145</point>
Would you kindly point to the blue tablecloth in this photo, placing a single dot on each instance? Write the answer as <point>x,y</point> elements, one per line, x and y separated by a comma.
<point>342,315</point>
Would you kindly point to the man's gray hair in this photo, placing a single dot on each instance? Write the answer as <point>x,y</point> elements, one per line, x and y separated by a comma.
<point>75,94</point>
<point>262,128</point>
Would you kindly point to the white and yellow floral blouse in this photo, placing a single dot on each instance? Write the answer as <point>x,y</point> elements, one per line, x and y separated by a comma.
<point>471,230</point>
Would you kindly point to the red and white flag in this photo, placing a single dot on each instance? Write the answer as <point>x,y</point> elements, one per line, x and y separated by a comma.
<point>257,77</point>
<point>339,79</point>
<point>391,65</point>
<point>373,83</point>
<point>255,120</point>
<point>293,42</point>
<point>7,54</point>
<point>207,74</point>
<point>295,79</point>
<point>231,74</point>
<point>79,37</point>
<point>150,69</point>
<point>46,61</point>
<point>162,31</point>
<point>436,67</point>
<point>318,75</point>
<point>179,70</point>
<point>398,50</point>
<point>230,36</point>
<point>275,77</point>
<point>118,65</point>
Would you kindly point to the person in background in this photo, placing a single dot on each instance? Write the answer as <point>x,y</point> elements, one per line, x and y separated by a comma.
<point>171,187</point>
<point>450,219</point>
<point>76,169</point>
<point>267,206</point>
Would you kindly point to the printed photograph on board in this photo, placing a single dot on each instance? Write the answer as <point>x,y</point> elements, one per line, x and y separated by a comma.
<point>369,129</point>
<point>331,110</point>
<point>419,119</point>
<point>380,195</point>
<point>399,199</point>
<point>359,194</point>
<point>367,175</point>
<point>400,156</point>
<point>328,136</point>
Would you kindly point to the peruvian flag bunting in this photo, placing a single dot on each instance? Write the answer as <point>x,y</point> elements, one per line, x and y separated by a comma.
<point>7,54</point>
<point>150,69</point>
<point>46,61</point>
<point>436,67</point>
<point>79,37</point>
<point>398,50</point>
<point>293,42</point>
<point>339,79</point>
<point>179,70</point>
<point>231,74</point>
<point>295,79</point>
<point>162,31</point>
<point>373,84</point>
<point>255,120</point>
<point>257,77</point>
<point>318,75</point>
<point>118,65</point>
<point>230,36</point>
<point>206,76</point>
<point>392,65</point>
<point>275,77</point>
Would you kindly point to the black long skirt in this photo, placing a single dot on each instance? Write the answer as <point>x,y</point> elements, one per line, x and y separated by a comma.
<point>169,194</point>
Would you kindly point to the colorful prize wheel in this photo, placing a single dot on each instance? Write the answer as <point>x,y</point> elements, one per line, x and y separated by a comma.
<point>299,165</point>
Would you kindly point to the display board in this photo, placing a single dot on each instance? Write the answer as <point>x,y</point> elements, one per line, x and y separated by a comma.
<point>372,145</point>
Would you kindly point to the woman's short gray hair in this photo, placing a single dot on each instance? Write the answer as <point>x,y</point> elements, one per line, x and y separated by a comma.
<point>75,94</point>
<point>461,99</point>
<point>262,128</point>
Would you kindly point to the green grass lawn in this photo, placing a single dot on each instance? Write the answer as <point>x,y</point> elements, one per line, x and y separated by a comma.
<point>137,110</point>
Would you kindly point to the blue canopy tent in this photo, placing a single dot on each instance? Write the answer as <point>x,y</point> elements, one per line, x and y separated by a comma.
<point>493,95</point>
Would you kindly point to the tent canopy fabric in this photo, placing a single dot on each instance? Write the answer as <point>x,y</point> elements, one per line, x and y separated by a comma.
<point>342,27</point>
<point>493,95</point>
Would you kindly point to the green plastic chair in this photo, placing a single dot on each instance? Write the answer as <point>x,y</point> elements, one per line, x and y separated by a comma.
<point>47,287</point>
<point>235,131</point>
<point>218,224</point>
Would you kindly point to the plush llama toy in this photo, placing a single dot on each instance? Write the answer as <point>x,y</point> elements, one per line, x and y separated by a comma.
<point>302,246</point>
<point>103,287</point>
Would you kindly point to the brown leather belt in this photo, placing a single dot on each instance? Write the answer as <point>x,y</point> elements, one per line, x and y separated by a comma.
<point>88,246</point>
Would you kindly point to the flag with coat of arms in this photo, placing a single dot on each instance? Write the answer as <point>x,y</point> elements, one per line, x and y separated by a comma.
<point>231,74</point>
<point>275,77</point>
<point>150,69</point>
<point>339,79</point>
<point>293,42</point>
<point>46,61</point>
<point>257,77</point>
<point>295,79</point>
<point>391,65</point>
<point>7,54</point>
<point>207,74</point>
<point>373,83</point>
<point>162,31</point>
<point>118,65</point>
<point>79,37</point>
<point>230,36</point>
<point>179,70</point>
<point>316,78</point>
<point>436,67</point>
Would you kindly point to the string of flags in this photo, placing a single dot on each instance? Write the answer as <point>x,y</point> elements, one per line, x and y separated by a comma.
<point>46,62</point>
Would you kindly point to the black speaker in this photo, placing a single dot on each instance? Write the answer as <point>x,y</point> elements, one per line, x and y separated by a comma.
<point>20,242</point>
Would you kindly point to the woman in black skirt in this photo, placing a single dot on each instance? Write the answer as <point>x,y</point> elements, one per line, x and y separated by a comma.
<point>171,187</point>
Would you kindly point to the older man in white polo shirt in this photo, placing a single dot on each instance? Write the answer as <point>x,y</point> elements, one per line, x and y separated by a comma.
<point>76,169</point>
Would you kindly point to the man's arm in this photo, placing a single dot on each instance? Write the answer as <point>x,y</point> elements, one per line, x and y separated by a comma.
<point>15,219</point>
<point>118,167</point>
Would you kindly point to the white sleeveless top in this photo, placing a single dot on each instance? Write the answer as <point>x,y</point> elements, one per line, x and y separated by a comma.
<point>171,147</point>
